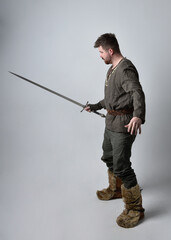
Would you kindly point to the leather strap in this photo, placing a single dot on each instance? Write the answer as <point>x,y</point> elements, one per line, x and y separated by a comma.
<point>120,112</point>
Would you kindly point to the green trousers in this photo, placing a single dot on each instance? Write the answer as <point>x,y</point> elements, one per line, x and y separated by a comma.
<point>116,155</point>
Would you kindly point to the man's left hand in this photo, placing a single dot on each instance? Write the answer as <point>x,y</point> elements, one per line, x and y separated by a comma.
<point>134,125</point>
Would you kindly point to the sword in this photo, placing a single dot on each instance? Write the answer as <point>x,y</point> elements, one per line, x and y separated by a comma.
<point>58,94</point>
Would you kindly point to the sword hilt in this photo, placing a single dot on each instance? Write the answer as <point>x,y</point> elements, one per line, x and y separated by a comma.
<point>100,114</point>
<point>84,106</point>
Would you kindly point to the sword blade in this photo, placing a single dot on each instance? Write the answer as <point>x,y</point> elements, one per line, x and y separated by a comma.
<point>49,90</point>
<point>56,93</point>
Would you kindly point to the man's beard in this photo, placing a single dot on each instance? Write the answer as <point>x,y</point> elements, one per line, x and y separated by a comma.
<point>107,61</point>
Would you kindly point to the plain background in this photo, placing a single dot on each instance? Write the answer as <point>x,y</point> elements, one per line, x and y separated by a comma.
<point>50,153</point>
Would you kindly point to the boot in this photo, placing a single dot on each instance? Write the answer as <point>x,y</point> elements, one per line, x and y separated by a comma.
<point>134,211</point>
<point>114,189</point>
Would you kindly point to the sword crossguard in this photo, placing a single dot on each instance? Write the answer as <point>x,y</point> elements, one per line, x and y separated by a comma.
<point>84,106</point>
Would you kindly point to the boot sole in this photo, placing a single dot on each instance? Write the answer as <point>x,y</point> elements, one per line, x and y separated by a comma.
<point>117,196</point>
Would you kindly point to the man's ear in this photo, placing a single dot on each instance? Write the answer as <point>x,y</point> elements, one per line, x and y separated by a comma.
<point>111,52</point>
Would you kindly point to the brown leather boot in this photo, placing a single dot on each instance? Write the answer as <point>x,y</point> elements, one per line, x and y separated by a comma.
<point>114,189</point>
<point>134,211</point>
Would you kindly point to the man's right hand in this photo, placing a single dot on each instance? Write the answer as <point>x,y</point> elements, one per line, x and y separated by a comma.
<point>93,107</point>
<point>88,109</point>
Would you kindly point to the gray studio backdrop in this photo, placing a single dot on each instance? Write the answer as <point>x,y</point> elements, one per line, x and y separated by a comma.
<point>49,151</point>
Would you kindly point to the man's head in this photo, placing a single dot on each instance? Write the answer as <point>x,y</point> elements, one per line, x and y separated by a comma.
<point>108,46</point>
<point>107,41</point>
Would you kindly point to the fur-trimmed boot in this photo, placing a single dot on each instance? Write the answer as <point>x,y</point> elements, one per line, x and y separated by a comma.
<point>114,189</point>
<point>134,211</point>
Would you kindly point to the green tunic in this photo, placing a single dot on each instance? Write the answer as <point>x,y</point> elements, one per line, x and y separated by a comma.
<point>123,91</point>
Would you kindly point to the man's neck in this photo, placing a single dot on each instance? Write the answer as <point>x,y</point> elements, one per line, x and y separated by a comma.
<point>116,59</point>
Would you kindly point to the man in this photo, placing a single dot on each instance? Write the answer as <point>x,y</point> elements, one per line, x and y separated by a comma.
<point>125,104</point>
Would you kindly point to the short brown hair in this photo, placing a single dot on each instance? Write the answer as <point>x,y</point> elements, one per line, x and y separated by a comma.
<point>108,40</point>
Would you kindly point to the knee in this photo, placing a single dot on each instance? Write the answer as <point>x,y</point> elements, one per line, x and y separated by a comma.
<point>108,161</point>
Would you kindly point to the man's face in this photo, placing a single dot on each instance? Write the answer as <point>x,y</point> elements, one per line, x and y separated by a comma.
<point>105,55</point>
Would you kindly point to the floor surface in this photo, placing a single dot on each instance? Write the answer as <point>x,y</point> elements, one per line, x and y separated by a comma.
<point>41,201</point>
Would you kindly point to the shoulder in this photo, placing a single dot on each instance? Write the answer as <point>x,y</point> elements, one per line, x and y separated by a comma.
<point>127,67</point>
<point>127,64</point>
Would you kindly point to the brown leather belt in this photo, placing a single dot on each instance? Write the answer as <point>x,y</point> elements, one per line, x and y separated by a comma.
<point>120,112</point>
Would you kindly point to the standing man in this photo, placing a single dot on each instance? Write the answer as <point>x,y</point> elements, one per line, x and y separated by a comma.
<point>124,101</point>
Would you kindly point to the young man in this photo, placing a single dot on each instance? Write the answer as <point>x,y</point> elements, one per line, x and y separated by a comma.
<point>125,104</point>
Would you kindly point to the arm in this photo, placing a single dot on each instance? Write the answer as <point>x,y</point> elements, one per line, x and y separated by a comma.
<point>131,84</point>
